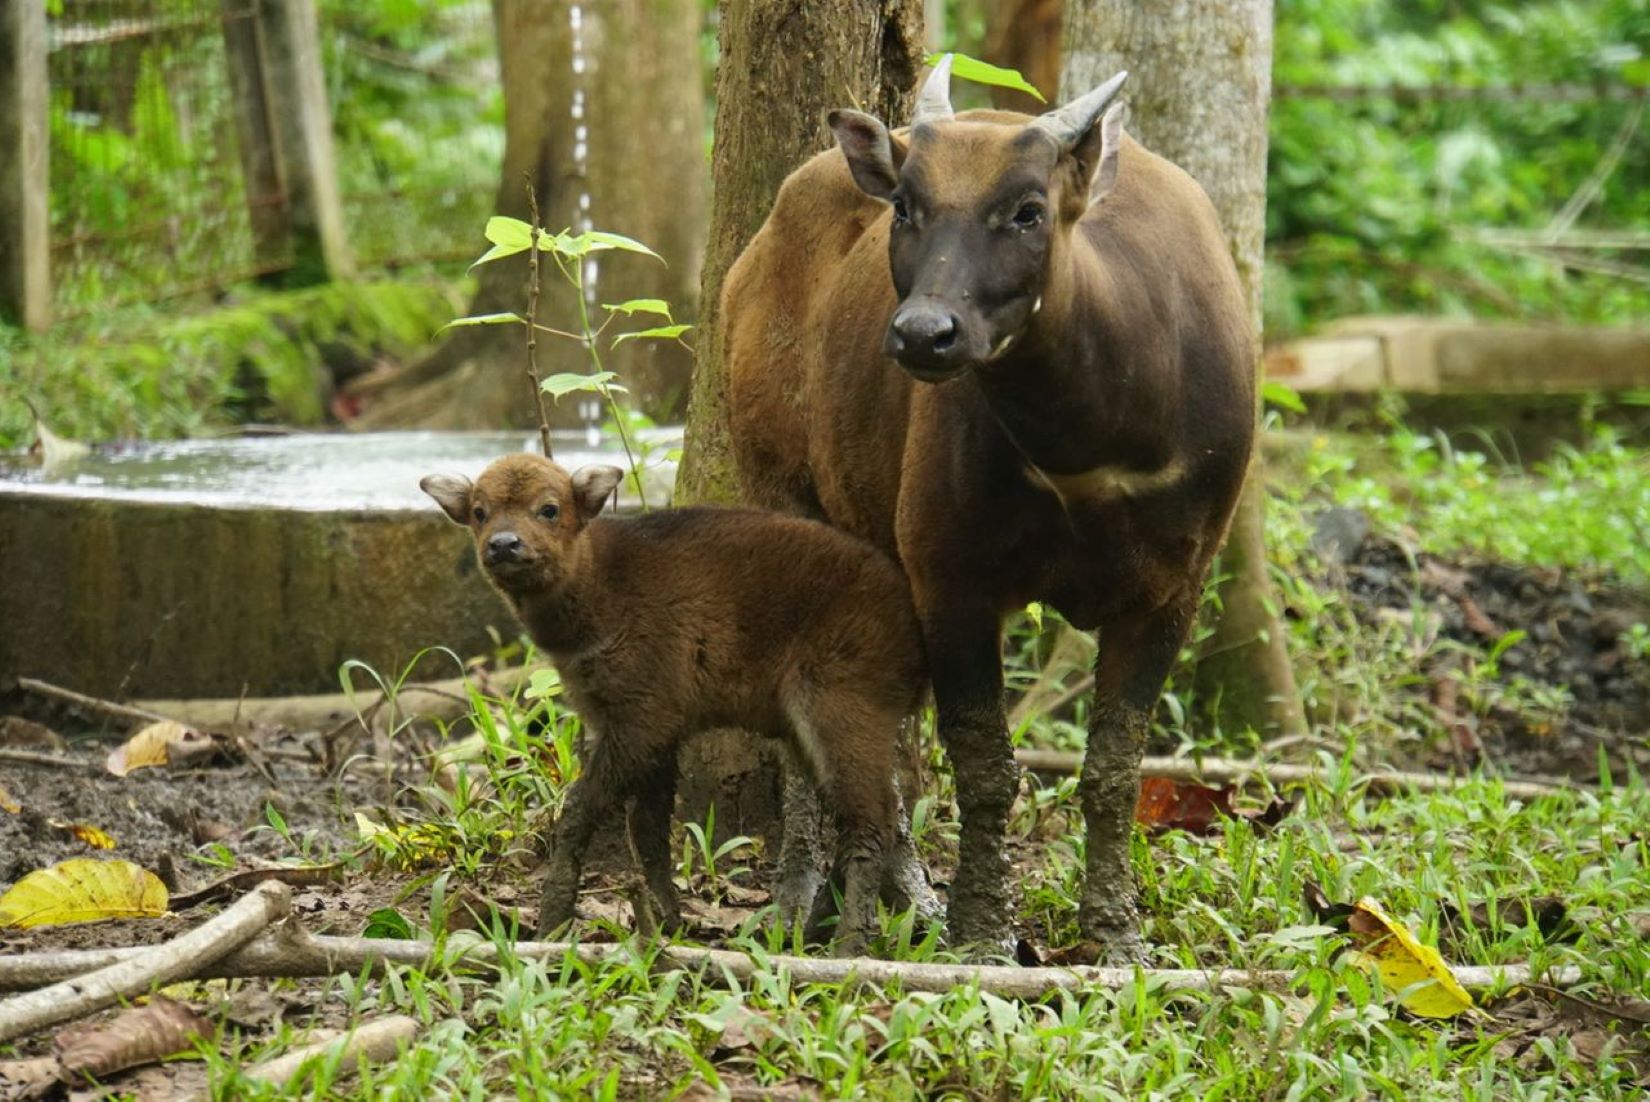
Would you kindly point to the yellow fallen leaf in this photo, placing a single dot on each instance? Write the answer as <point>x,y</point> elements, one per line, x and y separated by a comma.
<point>159,743</point>
<point>405,845</point>
<point>82,889</point>
<point>91,835</point>
<point>7,804</point>
<point>1423,982</point>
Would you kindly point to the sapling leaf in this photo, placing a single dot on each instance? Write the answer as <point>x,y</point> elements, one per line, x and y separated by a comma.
<point>595,241</point>
<point>566,383</point>
<point>481,319</point>
<point>640,306</point>
<point>659,333</point>
<point>497,252</point>
<point>509,232</point>
<point>983,72</point>
<point>1282,396</point>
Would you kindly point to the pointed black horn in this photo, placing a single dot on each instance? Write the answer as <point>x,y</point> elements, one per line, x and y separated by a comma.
<point>1066,125</point>
<point>934,100</point>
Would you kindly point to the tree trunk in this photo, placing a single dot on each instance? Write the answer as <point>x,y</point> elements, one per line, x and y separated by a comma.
<point>1198,92</point>
<point>1025,35</point>
<point>783,66</point>
<point>636,150</point>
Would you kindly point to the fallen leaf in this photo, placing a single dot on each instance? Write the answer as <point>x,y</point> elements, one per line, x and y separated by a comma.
<point>7,804</point>
<point>22,1080</point>
<point>1324,909</point>
<point>54,450</point>
<point>91,835</point>
<point>82,889</point>
<point>25,733</point>
<point>1168,804</point>
<point>143,1035</point>
<point>164,743</point>
<point>1546,913</point>
<point>1423,982</point>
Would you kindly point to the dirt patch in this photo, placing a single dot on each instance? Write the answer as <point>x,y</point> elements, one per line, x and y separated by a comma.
<point>1571,685</point>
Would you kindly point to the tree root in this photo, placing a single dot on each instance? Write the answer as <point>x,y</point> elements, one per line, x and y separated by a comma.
<point>135,971</point>
<point>1227,771</point>
<point>290,951</point>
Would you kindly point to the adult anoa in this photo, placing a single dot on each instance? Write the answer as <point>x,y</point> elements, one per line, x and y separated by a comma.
<point>1015,353</point>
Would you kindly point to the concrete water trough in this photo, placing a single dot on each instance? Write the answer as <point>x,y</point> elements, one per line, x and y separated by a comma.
<point>257,565</point>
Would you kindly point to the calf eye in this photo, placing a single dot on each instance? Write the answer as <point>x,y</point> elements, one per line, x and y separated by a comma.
<point>480,514</point>
<point>902,213</point>
<point>1029,215</point>
<point>550,512</point>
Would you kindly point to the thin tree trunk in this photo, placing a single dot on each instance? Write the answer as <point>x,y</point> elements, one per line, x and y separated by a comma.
<point>640,161</point>
<point>1198,93</point>
<point>783,66</point>
<point>1025,35</point>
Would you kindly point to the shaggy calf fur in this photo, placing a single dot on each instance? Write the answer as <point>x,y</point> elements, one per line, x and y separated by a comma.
<point>681,621</point>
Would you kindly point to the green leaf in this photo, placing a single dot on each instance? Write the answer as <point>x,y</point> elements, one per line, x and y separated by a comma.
<point>567,383</point>
<point>640,306</point>
<point>509,232</point>
<point>482,319</point>
<point>542,684</point>
<point>497,252</point>
<point>1507,641</point>
<point>388,922</point>
<point>1637,72</point>
<point>595,241</point>
<point>1282,396</point>
<point>983,72</point>
<point>658,333</point>
<point>1035,612</point>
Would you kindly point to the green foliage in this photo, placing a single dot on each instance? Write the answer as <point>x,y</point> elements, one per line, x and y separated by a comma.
<point>1367,199</point>
<point>983,72</point>
<point>149,373</point>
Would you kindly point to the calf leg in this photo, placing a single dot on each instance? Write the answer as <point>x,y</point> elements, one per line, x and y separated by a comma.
<point>1134,659</point>
<point>965,663</point>
<point>905,882</point>
<point>800,851</point>
<point>592,799</point>
<point>649,819</point>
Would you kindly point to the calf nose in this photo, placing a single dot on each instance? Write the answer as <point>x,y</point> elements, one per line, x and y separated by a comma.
<point>504,547</point>
<point>924,334</point>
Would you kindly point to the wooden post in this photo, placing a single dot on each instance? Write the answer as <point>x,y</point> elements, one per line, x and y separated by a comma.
<point>255,136</point>
<point>302,124</point>
<point>25,186</point>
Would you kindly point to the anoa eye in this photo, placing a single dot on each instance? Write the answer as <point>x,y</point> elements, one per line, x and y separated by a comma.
<point>902,212</point>
<point>480,515</point>
<point>550,512</point>
<point>1029,215</point>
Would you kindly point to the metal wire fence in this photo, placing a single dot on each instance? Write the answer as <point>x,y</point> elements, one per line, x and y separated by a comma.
<point>150,104</point>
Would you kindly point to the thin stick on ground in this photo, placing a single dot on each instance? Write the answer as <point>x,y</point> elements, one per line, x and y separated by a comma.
<point>376,1041</point>
<point>292,952</point>
<point>533,315</point>
<point>90,703</point>
<point>152,966</point>
<point>35,757</point>
<point>1227,771</point>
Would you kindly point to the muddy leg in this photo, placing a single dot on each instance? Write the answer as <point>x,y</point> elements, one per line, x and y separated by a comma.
<point>904,877</point>
<point>801,854</point>
<point>1133,661</point>
<point>966,666</point>
<point>593,799</point>
<point>650,816</point>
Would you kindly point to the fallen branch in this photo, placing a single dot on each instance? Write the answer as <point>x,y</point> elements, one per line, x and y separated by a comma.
<point>432,700</point>
<point>291,875</point>
<point>147,967</point>
<point>292,952</point>
<point>35,757</point>
<point>1225,771</point>
<point>376,1041</point>
<point>128,712</point>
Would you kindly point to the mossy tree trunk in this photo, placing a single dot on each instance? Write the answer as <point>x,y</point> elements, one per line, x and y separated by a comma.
<point>644,172</point>
<point>782,67</point>
<point>1198,92</point>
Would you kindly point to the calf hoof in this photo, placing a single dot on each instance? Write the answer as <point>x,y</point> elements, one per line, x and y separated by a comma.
<point>796,896</point>
<point>1122,949</point>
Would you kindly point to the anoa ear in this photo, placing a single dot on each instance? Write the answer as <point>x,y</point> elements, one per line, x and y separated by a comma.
<point>452,493</point>
<point>1110,141</point>
<point>874,155</point>
<point>591,487</point>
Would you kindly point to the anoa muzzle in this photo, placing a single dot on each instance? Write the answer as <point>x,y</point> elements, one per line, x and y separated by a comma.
<point>978,215</point>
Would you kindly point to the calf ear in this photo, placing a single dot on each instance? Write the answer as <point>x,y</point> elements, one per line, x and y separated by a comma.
<point>874,155</point>
<point>592,485</point>
<point>451,492</point>
<point>1109,137</point>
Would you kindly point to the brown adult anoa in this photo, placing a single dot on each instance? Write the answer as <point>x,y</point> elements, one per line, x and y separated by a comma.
<point>1014,352</point>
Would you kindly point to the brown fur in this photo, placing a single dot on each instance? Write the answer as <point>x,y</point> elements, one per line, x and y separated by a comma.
<point>1092,464</point>
<point>680,621</point>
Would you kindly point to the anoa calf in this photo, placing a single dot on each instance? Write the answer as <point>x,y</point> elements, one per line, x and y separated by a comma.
<point>684,620</point>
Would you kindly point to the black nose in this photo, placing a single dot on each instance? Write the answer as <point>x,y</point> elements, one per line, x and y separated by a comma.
<point>504,547</point>
<point>923,334</point>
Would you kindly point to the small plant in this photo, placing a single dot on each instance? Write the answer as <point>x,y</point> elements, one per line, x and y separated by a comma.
<point>700,854</point>
<point>511,236</point>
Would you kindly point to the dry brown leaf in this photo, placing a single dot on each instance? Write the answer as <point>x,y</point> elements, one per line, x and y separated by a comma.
<point>82,889</point>
<point>26,1080</point>
<point>143,1035</point>
<point>1168,804</point>
<point>7,804</point>
<point>27,734</point>
<point>164,743</point>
